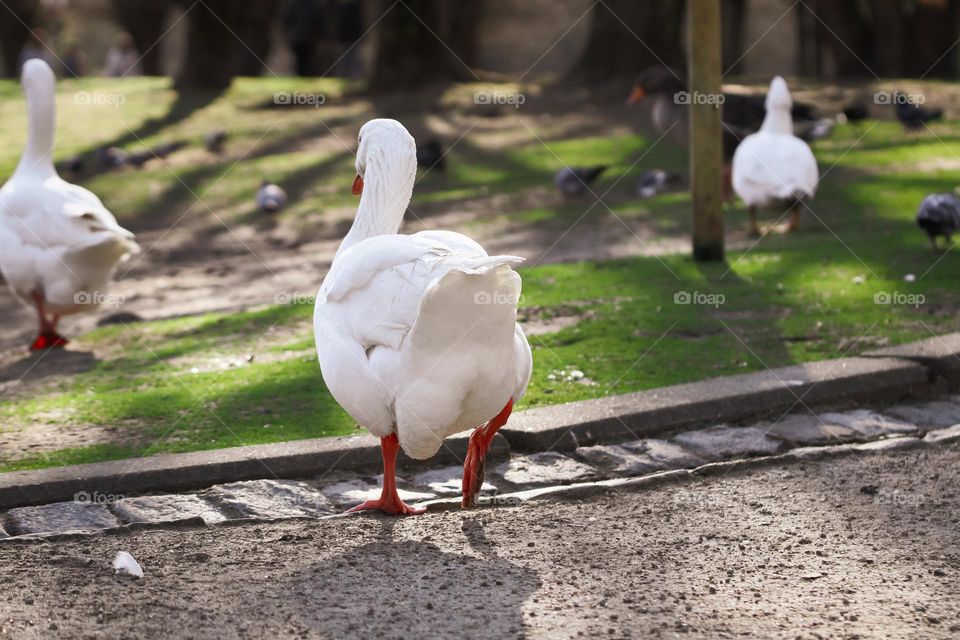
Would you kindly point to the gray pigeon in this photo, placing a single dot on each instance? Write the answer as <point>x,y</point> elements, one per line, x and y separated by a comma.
<point>270,197</point>
<point>656,181</point>
<point>939,215</point>
<point>214,140</point>
<point>576,181</point>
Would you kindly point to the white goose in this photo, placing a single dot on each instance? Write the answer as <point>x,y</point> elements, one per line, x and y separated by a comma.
<point>773,168</point>
<point>58,243</point>
<point>417,334</point>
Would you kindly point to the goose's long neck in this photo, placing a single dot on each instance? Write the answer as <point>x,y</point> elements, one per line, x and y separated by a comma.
<point>778,120</point>
<point>41,117</point>
<point>386,194</point>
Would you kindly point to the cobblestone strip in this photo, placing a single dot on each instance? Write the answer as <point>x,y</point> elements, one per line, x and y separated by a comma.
<point>703,452</point>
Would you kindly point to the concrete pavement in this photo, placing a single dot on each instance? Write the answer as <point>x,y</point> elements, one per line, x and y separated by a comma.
<point>847,546</point>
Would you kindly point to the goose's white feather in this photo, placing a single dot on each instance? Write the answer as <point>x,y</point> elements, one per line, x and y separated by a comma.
<point>773,165</point>
<point>56,238</point>
<point>416,334</point>
<point>125,563</point>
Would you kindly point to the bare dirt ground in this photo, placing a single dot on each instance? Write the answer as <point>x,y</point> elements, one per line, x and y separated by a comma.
<point>849,548</point>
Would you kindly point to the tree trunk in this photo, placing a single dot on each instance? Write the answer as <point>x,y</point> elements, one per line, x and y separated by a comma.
<point>847,38</point>
<point>145,21</point>
<point>14,32</point>
<point>627,36</point>
<point>254,29</point>
<point>424,42</point>
<point>931,30</point>
<point>887,37</point>
<point>706,139</point>
<point>214,55</point>
<point>733,15</point>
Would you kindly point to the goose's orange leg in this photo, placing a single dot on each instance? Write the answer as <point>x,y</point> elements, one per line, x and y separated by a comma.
<point>389,501</point>
<point>477,449</point>
<point>47,336</point>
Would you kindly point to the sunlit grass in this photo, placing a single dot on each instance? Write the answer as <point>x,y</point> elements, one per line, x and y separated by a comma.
<point>217,380</point>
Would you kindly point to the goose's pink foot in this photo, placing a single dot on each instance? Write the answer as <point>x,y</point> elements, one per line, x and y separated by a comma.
<point>47,336</point>
<point>477,449</point>
<point>48,340</point>
<point>389,500</point>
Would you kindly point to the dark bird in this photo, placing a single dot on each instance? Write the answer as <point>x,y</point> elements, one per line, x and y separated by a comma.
<point>656,181</point>
<point>576,181</point>
<point>939,215</point>
<point>111,157</point>
<point>270,197</point>
<point>855,112</point>
<point>73,164</point>
<point>430,155</point>
<point>215,140</point>
<point>910,114</point>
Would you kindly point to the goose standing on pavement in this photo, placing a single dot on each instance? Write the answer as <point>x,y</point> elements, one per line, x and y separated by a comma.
<point>773,168</point>
<point>58,244</point>
<point>416,334</point>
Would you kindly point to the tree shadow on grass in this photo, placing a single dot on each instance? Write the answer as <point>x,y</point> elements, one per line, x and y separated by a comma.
<point>186,104</point>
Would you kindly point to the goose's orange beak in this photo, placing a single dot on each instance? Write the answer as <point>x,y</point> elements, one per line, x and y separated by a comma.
<point>357,186</point>
<point>636,95</point>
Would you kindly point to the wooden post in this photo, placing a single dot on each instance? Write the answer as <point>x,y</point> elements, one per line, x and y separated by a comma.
<point>706,141</point>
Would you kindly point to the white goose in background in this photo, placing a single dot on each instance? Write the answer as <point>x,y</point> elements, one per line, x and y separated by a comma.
<point>773,168</point>
<point>58,243</point>
<point>416,334</point>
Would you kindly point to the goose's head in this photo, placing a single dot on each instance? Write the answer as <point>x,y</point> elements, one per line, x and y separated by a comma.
<point>37,77</point>
<point>386,144</point>
<point>778,98</point>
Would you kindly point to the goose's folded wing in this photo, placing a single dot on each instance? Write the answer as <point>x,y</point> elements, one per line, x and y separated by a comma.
<point>59,215</point>
<point>379,283</point>
<point>377,286</point>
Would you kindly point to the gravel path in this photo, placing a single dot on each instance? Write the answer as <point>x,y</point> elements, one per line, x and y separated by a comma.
<point>847,547</point>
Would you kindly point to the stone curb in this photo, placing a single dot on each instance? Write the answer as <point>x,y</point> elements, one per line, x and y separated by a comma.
<point>728,399</point>
<point>939,354</point>
<point>832,383</point>
<point>573,491</point>
<point>201,469</point>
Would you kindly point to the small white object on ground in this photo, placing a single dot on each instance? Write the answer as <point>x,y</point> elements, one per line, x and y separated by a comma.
<point>910,278</point>
<point>124,563</point>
